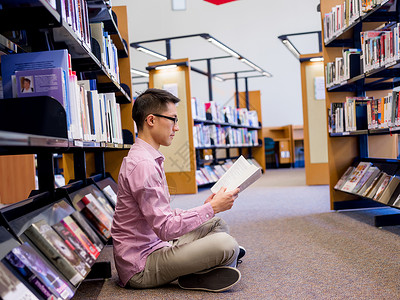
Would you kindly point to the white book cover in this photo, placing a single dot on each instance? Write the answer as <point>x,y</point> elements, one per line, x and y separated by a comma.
<point>241,174</point>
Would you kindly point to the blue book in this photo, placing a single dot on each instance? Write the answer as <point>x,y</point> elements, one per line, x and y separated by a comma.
<point>33,61</point>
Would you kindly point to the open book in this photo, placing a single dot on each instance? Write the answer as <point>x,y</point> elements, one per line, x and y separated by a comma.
<point>241,174</point>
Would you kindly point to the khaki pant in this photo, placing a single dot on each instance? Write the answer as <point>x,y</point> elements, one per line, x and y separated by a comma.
<point>206,247</point>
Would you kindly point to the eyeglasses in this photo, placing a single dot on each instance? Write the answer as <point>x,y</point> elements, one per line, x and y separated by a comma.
<point>174,119</point>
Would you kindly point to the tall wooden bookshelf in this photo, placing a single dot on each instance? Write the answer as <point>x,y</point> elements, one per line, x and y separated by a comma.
<point>343,150</point>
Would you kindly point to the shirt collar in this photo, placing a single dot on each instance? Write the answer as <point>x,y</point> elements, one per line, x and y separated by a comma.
<point>157,155</point>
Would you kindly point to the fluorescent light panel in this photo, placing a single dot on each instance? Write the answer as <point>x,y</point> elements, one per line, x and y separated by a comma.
<point>291,48</point>
<point>155,54</point>
<point>266,74</point>
<point>249,63</point>
<point>217,78</point>
<point>223,47</point>
<point>166,67</point>
<point>141,73</point>
<point>317,59</point>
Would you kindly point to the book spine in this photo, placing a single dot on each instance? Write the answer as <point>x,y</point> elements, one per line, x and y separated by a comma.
<point>60,262</point>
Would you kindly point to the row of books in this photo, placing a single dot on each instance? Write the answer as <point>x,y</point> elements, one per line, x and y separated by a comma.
<point>360,113</point>
<point>346,14</point>
<point>212,173</point>
<point>216,135</point>
<point>215,112</point>
<point>108,51</point>
<point>56,257</point>
<point>75,14</point>
<point>369,181</point>
<point>380,47</point>
<point>91,116</point>
<point>343,68</point>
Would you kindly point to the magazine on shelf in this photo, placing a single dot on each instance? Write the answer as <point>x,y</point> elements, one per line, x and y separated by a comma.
<point>241,174</point>
<point>54,248</point>
<point>11,288</point>
<point>26,257</point>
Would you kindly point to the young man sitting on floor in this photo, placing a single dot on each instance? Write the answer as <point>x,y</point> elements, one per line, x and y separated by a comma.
<point>154,244</point>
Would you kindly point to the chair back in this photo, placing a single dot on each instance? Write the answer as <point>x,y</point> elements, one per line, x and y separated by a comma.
<point>269,145</point>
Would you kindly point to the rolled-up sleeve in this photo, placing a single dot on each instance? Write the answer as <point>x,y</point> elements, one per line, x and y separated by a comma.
<point>154,203</point>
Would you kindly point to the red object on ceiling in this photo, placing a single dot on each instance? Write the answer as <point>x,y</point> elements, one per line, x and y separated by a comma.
<point>219,2</point>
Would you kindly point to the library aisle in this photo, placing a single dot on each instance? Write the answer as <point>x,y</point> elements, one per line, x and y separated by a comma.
<point>297,248</point>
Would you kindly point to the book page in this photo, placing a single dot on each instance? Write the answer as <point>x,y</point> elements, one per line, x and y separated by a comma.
<point>236,175</point>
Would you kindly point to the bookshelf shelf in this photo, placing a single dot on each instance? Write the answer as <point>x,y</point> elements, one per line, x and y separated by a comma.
<point>196,121</point>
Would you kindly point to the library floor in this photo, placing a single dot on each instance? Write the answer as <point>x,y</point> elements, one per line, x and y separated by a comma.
<point>296,248</point>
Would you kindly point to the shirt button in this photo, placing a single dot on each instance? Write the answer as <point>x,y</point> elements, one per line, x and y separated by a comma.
<point>207,215</point>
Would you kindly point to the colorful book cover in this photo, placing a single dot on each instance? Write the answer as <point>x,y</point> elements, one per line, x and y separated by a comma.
<point>74,244</point>
<point>11,288</point>
<point>41,269</point>
<point>33,280</point>
<point>55,249</point>
<point>70,224</point>
<point>84,225</point>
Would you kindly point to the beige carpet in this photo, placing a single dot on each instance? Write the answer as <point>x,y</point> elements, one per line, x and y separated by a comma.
<point>296,248</point>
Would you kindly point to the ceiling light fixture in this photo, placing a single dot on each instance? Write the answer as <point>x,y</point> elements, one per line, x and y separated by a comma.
<point>151,52</point>
<point>217,78</point>
<point>317,59</point>
<point>266,74</point>
<point>223,47</point>
<point>166,67</point>
<point>291,48</point>
<point>138,72</point>
<point>257,68</point>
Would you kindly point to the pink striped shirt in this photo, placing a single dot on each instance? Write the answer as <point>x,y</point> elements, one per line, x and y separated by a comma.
<point>143,220</point>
